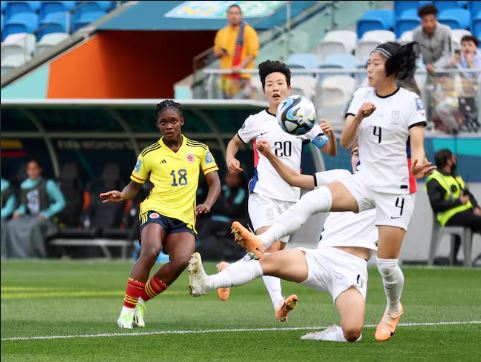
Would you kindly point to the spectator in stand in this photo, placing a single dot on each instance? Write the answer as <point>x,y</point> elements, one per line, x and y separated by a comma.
<point>237,46</point>
<point>468,58</point>
<point>40,200</point>
<point>8,206</point>
<point>451,201</point>
<point>433,38</point>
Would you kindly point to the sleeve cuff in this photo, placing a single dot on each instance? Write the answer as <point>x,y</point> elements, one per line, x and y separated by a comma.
<point>422,124</point>
<point>238,135</point>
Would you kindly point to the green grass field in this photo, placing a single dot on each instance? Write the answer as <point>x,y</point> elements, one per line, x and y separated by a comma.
<point>77,304</point>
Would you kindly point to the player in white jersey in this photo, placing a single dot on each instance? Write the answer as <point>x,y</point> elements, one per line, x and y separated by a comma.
<point>388,122</point>
<point>338,265</point>
<point>269,195</point>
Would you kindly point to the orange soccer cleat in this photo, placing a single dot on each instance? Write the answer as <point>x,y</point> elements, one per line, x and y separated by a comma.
<point>223,293</point>
<point>247,240</point>
<point>289,304</point>
<point>387,326</point>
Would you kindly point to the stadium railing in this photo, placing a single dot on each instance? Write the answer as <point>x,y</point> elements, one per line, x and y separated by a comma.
<point>447,94</point>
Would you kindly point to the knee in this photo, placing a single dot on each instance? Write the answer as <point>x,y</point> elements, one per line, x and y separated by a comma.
<point>352,333</point>
<point>387,266</point>
<point>181,262</point>
<point>149,256</point>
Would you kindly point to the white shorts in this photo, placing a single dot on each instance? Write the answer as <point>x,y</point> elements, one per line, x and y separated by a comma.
<point>333,270</point>
<point>391,209</point>
<point>263,211</point>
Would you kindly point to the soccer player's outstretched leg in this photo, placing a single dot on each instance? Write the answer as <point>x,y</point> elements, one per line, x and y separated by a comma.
<point>383,118</point>
<point>167,217</point>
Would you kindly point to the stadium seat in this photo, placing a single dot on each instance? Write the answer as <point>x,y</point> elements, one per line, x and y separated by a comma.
<point>474,8</point>
<point>21,23</point>
<point>303,60</point>
<point>95,5</point>
<point>455,18</point>
<point>345,61</point>
<point>337,41</point>
<point>407,21</point>
<point>23,40</point>
<point>401,6</point>
<point>364,49</point>
<point>49,40</point>
<point>379,35</point>
<point>406,37</point>
<point>85,18</point>
<point>464,234</point>
<point>476,26</point>
<point>456,35</point>
<point>304,85</point>
<point>375,20</point>
<point>14,59</point>
<point>54,23</point>
<point>51,8</point>
<point>335,93</point>
<point>443,5</point>
<point>19,7</point>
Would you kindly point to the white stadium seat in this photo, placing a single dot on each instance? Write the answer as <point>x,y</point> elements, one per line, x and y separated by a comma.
<point>382,36</point>
<point>406,37</point>
<point>50,40</point>
<point>456,35</point>
<point>337,41</point>
<point>304,85</point>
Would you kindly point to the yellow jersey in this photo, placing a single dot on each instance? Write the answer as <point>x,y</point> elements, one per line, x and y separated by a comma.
<point>175,176</point>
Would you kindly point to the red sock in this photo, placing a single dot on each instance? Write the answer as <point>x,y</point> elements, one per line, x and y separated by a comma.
<point>133,292</point>
<point>153,287</point>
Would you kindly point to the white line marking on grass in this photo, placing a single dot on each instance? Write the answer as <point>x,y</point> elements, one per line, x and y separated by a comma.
<point>233,330</point>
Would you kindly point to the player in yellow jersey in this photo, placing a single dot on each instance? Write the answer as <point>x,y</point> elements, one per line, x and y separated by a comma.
<point>168,214</point>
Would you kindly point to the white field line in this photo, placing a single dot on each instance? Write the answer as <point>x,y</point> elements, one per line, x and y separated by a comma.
<point>233,330</point>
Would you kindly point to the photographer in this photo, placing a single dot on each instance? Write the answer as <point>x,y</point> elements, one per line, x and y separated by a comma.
<point>450,198</point>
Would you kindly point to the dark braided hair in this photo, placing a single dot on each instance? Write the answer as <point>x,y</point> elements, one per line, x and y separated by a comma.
<point>400,59</point>
<point>273,66</point>
<point>168,103</point>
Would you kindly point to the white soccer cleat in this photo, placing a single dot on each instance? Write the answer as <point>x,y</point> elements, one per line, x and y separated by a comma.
<point>197,276</point>
<point>329,334</point>
<point>126,318</point>
<point>139,315</point>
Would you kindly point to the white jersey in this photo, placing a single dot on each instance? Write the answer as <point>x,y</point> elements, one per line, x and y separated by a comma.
<point>347,228</point>
<point>266,181</point>
<point>384,149</point>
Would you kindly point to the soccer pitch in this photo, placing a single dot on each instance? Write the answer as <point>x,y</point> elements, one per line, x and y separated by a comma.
<point>67,311</point>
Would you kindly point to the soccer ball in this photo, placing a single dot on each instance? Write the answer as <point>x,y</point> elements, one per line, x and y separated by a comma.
<point>296,115</point>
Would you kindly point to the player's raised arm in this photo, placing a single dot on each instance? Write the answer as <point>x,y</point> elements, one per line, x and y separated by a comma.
<point>233,163</point>
<point>292,177</point>
<point>330,148</point>
<point>128,193</point>
<point>349,133</point>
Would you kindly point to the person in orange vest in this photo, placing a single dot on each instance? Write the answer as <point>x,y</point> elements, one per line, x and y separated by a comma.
<point>451,201</point>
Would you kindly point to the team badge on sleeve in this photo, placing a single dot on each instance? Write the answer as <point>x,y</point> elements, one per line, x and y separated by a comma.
<point>138,165</point>
<point>419,104</point>
<point>209,158</point>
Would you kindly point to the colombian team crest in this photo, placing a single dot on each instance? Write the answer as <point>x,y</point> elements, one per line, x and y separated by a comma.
<point>190,158</point>
<point>154,215</point>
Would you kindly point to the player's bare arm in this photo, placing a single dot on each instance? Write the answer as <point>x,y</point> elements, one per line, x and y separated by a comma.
<point>420,167</point>
<point>330,148</point>
<point>128,193</point>
<point>349,133</point>
<point>214,190</point>
<point>233,163</point>
<point>292,177</point>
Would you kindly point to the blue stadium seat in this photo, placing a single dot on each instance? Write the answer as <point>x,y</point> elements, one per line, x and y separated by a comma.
<point>346,61</point>
<point>443,5</point>
<point>86,18</point>
<point>455,18</point>
<point>54,23</point>
<point>90,6</point>
<point>21,23</point>
<point>476,26</point>
<point>48,8</point>
<point>408,20</point>
<point>475,8</point>
<point>303,60</point>
<point>401,6</point>
<point>375,20</point>
<point>18,7</point>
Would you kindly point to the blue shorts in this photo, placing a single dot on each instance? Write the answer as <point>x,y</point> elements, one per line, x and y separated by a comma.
<point>170,225</point>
